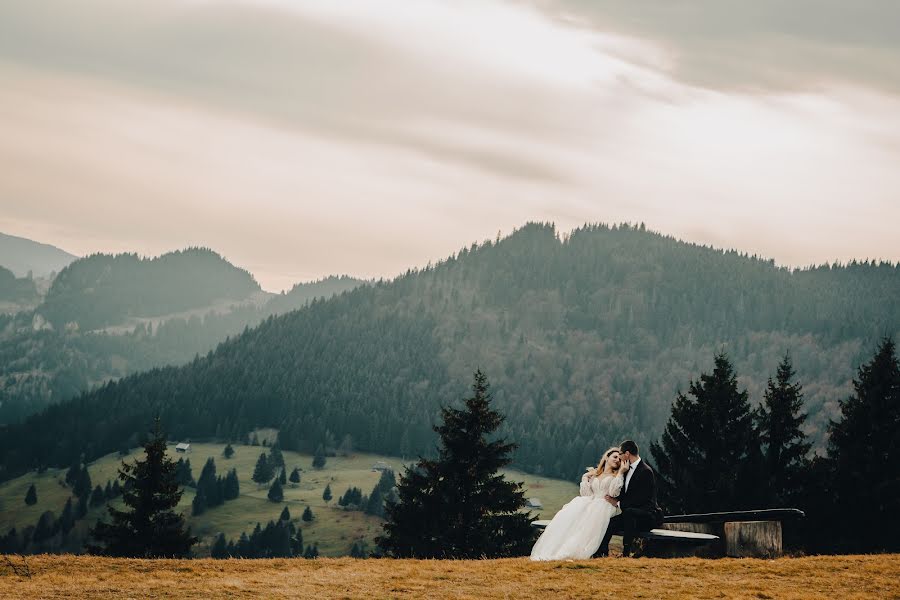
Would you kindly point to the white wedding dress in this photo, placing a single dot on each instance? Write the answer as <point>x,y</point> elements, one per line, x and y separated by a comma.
<point>578,528</point>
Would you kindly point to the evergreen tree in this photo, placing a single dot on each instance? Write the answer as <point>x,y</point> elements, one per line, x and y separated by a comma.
<point>254,441</point>
<point>311,552</point>
<point>282,477</point>
<point>45,528</point>
<point>262,473</point>
<point>67,518</point>
<point>326,495</point>
<point>116,490</point>
<point>232,487</point>
<point>778,421</point>
<point>183,472</point>
<point>211,485</point>
<point>219,548</point>
<point>228,452</point>
<point>297,543</point>
<point>458,506</point>
<point>276,492</point>
<point>83,487</point>
<point>318,461</point>
<point>864,455</point>
<point>108,490</point>
<point>150,528</point>
<point>295,477</point>
<point>308,514</point>
<point>31,496</point>
<point>81,508</point>
<point>357,550</point>
<point>73,472</point>
<point>199,503</point>
<point>375,504</point>
<point>97,497</point>
<point>276,458</point>
<point>708,457</point>
<point>285,515</point>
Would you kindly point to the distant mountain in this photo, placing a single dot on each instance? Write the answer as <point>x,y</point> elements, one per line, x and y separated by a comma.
<point>41,364</point>
<point>585,338</point>
<point>104,290</point>
<point>21,255</point>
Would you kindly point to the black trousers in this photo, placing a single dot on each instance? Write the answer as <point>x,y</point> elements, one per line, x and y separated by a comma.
<point>630,522</point>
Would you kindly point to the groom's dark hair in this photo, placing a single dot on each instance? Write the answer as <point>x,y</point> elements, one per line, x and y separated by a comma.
<point>629,446</point>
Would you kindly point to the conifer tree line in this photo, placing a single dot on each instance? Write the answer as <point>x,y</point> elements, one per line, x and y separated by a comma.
<point>570,327</point>
<point>719,454</point>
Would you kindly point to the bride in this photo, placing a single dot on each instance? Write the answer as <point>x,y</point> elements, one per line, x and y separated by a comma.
<point>578,528</point>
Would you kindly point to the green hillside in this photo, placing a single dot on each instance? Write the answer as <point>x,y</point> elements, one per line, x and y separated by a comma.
<point>585,338</point>
<point>42,365</point>
<point>334,530</point>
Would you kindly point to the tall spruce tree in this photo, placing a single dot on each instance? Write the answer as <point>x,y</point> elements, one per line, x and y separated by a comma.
<point>31,496</point>
<point>708,457</point>
<point>318,461</point>
<point>276,492</point>
<point>149,528</point>
<point>232,487</point>
<point>864,456</point>
<point>785,449</point>
<point>262,472</point>
<point>458,506</point>
<point>326,494</point>
<point>295,477</point>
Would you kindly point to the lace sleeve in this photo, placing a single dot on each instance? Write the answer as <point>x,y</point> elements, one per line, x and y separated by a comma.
<point>585,488</point>
<point>615,486</point>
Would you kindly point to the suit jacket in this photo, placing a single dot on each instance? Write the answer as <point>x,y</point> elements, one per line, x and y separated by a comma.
<point>641,492</point>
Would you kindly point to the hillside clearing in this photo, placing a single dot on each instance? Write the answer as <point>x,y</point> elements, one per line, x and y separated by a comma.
<point>786,578</point>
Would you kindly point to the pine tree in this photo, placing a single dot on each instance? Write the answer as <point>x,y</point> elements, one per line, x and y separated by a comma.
<point>295,477</point>
<point>276,458</point>
<point>276,492</point>
<point>254,440</point>
<point>285,515</point>
<point>97,497</point>
<point>67,518</point>
<point>778,421</point>
<point>308,514</point>
<point>219,548</point>
<point>232,487</point>
<point>864,455</point>
<point>318,461</point>
<point>150,529</point>
<point>83,487</point>
<point>45,528</point>
<point>282,477</point>
<point>31,496</point>
<point>116,489</point>
<point>458,506</point>
<point>708,456</point>
<point>73,472</point>
<point>262,473</point>
<point>183,472</point>
<point>326,495</point>
<point>199,503</point>
<point>311,552</point>
<point>228,452</point>
<point>108,490</point>
<point>81,508</point>
<point>297,543</point>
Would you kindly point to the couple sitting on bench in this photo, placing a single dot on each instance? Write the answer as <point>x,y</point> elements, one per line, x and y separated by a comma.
<point>618,497</point>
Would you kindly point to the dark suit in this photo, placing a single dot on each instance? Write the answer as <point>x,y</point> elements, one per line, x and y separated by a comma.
<point>640,511</point>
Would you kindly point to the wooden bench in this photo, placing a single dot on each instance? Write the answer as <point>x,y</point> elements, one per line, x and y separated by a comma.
<point>661,542</point>
<point>745,533</point>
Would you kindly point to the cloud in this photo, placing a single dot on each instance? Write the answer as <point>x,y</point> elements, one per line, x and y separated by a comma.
<point>306,138</point>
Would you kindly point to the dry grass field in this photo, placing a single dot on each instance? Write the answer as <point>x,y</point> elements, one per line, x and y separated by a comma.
<point>787,578</point>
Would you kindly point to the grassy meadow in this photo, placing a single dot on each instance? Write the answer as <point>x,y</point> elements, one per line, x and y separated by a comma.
<point>846,577</point>
<point>334,530</point>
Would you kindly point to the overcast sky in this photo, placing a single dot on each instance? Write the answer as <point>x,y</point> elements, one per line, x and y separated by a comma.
<point>302,138</point>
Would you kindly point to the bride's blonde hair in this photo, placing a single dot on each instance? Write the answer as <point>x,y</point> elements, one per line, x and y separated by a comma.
<point>601,468</point>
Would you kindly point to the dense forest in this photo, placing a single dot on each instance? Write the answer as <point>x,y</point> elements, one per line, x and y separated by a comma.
<point>16,290</point>
<point>587,338</point>
<point>41,364</point>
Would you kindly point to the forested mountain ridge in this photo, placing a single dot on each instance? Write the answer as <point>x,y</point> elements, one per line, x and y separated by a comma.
<point>586,339</point>
<point>42,365</point>
<point>104,289</point>
<point>21,256</point>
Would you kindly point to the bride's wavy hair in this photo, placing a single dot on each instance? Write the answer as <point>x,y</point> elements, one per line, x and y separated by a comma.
<point>601,468</point>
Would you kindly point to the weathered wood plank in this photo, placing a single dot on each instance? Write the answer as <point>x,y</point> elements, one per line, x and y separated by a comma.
<point>753,539</point>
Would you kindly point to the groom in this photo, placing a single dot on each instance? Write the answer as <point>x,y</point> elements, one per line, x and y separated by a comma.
<point>640,512</point>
